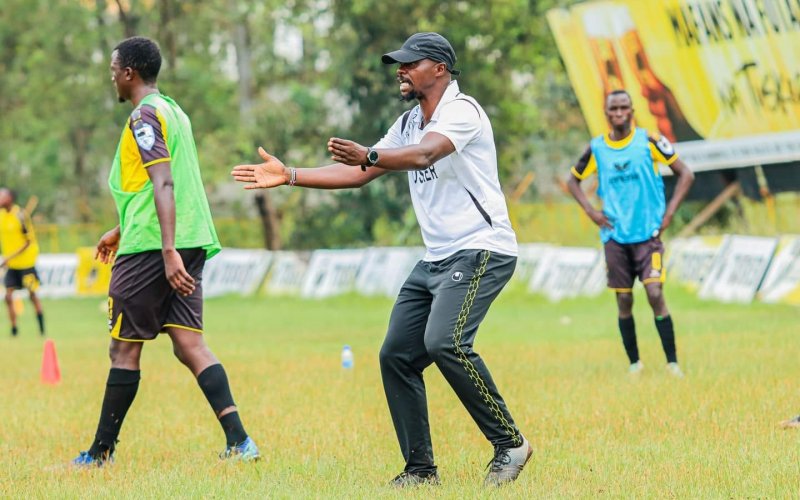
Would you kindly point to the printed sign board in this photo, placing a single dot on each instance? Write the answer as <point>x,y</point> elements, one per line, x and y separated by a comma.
<point>718,77</point>
<point>782,282</point>
<point>737,273</point>
<point>235,271</point>
<point>384,270</point>
<point>332,272</point>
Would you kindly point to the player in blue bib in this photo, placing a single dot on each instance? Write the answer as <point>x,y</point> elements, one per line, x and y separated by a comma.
<point>634,215</point>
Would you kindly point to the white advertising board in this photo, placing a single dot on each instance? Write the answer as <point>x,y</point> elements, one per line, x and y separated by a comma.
<point>57,275</point>
<point>782,282</point>
<point>287,273</point>
<point>332,272</point>
<point>568,272</point>
<point>737,272</point>
<point>689,260</point>
<point>385,269</point>
<point>235,271</point>
<point>531,257</point>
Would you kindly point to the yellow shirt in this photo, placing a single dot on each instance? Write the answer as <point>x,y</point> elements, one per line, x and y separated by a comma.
<point>16,230</point>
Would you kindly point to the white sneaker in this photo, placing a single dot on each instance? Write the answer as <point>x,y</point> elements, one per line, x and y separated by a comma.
<point>636,368</point>
<point>674,370</point>
<point>507,463</point>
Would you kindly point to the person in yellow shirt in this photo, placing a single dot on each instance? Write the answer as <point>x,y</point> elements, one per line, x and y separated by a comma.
<point>19,251</point>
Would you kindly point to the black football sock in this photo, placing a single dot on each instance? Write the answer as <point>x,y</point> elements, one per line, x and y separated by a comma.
<point>667,333</point>
<point>214,383</point>
<point>40,318</point>
<point>121,389</point>
<point>627,328</point>
<point>234,430</point>
<point>14,331</point>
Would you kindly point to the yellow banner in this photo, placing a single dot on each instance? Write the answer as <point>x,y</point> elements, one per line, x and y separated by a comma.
<point>722,76</point>
<point>92,277</point>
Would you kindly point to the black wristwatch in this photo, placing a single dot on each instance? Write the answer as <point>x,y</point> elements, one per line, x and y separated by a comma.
<point>372,157</point>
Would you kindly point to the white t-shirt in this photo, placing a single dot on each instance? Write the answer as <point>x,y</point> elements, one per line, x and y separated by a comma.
<point>457,200</point>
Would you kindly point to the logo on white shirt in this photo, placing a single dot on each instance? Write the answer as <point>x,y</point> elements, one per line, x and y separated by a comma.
<point>422,176</point>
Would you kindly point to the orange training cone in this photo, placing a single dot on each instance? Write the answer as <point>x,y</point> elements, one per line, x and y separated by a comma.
<point>51,374</point>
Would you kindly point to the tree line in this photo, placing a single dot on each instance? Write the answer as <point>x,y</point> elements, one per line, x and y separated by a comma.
<point>284,75</point>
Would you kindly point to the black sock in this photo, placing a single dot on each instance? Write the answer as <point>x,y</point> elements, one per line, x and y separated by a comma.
<point>121,388</point>
<point>667,333</point>
<point>234,430</point>
<point>40,318</point>
<point>214,383</point>
<point>14,331</point>
<point>627,328</point>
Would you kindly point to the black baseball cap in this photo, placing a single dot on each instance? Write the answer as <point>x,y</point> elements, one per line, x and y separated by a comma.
<point>431,46</point>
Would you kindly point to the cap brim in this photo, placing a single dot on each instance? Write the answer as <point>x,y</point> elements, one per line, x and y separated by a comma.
<point>401,56</point>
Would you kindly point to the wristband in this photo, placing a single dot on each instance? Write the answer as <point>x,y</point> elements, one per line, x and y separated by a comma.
<point>292,176</point>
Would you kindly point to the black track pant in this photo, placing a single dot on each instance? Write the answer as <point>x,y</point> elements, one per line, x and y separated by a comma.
<point>435,320</point>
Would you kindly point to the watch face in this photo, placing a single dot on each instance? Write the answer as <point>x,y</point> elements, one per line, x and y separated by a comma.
<point>372,157</point>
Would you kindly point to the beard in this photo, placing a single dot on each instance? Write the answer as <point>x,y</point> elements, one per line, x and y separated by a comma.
<point>409,97</point>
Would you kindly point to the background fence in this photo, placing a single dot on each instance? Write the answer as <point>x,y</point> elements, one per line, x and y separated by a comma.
<point>730,268</point>
<point>559,222</point>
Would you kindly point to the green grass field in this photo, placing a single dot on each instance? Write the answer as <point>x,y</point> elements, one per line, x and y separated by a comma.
<point>327,433</point>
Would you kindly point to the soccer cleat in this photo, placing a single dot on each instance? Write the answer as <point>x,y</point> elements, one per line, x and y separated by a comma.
<point>792,423</point>
<point>507,464</point>
<point>410,479</point>
<point>636,368</point>
<point>674,370</point>
<point>85,461</point>
<point>246,451</point>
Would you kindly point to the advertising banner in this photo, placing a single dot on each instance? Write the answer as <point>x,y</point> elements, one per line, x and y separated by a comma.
<point>540,269</point>
<point>737,272</point>
<point>597,280</point>
<point>93,277</point>
<point>782,283</point>
<point>57,272</point>
<point>287,273</point>
<point>569,270</point>
<point>721,78</point>
<point>689,260</point>
<point>235,271</point>
<point>385,269</point>
<point>332,272</point>
<point>531,260</point>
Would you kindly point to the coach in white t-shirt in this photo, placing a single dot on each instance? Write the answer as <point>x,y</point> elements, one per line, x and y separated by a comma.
<point>446,145</point>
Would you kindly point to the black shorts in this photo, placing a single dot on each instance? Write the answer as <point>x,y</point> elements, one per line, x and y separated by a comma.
<point>624,262</point>
<point>141,302</point>
<point>22,278</point>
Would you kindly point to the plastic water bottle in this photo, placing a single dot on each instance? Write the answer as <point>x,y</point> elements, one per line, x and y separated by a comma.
<point>347,358</point>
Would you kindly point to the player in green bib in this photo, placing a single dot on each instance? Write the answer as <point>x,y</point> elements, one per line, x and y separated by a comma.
<point>164,237</point>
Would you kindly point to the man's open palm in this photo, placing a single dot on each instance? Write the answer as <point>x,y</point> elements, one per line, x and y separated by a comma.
<point>269,174</point>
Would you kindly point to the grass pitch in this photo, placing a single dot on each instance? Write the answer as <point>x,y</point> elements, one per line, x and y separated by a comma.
<point>325,432</point>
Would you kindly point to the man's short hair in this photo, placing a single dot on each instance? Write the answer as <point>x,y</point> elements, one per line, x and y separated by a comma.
<point>141,54</point>
<point>619,92</point>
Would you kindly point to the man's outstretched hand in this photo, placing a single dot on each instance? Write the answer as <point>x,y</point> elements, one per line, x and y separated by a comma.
<point>347,152</point>
<point>269,174</point>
